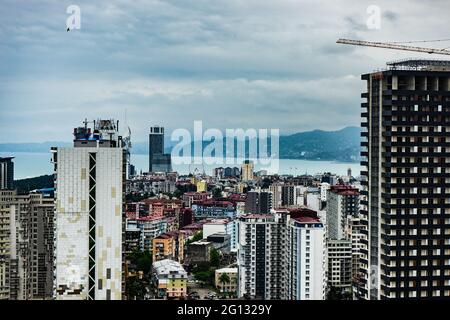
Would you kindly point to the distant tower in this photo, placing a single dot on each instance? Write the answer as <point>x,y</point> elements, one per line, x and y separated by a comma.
<point>158,161</point>
<point>247,171</point>
<point>6,173</point>
<point>349,172</point>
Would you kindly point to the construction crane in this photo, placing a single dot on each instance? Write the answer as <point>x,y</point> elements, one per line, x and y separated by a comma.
<point>397,45</point>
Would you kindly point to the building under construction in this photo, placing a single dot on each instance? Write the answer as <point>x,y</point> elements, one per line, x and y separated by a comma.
<point>406,167</point>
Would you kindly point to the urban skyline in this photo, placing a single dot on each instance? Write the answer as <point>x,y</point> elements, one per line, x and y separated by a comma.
<point>233,225</point>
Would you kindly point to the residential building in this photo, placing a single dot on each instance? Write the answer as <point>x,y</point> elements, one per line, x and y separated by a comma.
<point>90,224</point>
<point>202,186</point>
<point>282,255</point>
<point>26,246</point>
<point>226,287</point>
<point>405,202</point>
<point>6,198</point>
<point>305,260</point>
<point>226,226</point>
<point>198,252</point>
<point>259,202</point>
<point>340,265</point>
<point>342,202</point>
<point>170,279</point>
<point>214,209</point>
<point>169,245</point>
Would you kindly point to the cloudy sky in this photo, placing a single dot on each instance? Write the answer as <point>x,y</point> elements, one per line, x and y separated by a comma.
<point>230,63</point>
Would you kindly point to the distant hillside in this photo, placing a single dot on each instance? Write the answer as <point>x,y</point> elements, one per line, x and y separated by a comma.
<point>340,145</point>
<point>26,185</point>
<point>32,147</point>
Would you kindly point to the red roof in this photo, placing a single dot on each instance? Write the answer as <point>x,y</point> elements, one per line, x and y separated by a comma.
<point>307,219</point>
<point>344,190</point>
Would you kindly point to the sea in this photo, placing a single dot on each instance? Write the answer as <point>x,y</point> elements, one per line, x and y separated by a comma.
<point>27,165</point>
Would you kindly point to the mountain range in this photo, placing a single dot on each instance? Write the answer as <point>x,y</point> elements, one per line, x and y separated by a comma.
<point>341,145</point>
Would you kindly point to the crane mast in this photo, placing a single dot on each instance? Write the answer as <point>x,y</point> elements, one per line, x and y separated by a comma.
<point>393,46</point>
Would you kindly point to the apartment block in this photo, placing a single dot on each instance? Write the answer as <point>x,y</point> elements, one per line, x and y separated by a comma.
<point>406,196</point>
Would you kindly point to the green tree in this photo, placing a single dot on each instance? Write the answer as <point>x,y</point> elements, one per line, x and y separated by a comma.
<point>135,288</point>
<point>214,259</point>
<point>198,236</point>
<point>217,193</point>
<point>142,260</point>
<point>203,276</point>
<point>224,279</point>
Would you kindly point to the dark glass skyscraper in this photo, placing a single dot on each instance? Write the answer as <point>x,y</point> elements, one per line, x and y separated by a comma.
<point>406,170</point>
<point>158,161</point>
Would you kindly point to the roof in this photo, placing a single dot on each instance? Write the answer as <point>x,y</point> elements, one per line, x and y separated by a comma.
<point>227,270</point>
<point>419,63</point>
<point>166,266</point>
<point>217,221</point>
<point>344,190</point>
<point>257,215</point>
<point>305,219</point>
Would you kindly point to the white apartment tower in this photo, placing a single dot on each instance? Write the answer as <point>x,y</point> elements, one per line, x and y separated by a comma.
<point>306,259</point>
<point>282,255</point>
<point>89,223</point>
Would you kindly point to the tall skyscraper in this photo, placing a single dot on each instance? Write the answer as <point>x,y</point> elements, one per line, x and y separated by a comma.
<point>406,206</point>
<point>158,160</point>
<point>6,173</point>
<point>90,186</point>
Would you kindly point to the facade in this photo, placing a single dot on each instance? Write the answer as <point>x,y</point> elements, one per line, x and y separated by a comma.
<point>340,264</point>
<point>342,202</point>
<point>260,202</point>
<point>132,237</point>
<point>198,252</point>
<point>247,171</point>
<point>158,160</point>
<point>226,226</point>
<point>169,245</point>
<point>354,232</point>
<point>6,173</point>
<point>306,259</point>
<point>90,226</point>
<point>405,205</point>
<point>230,286</point>
<point>170,279</point>
<point>6,198</point>
<point>282,255</point>
<point>26,260</point>
<point>150,228</point>
<point>214,209</point>
<point>202,186</point>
